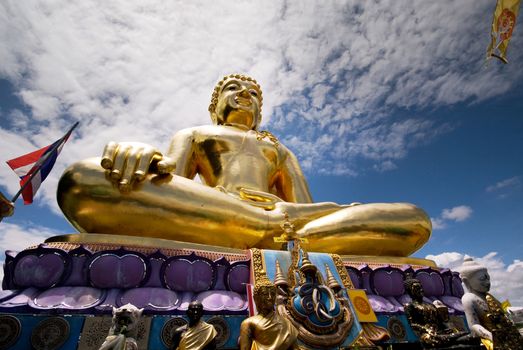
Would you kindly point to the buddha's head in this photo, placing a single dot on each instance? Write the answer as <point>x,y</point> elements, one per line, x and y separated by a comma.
<point>414,288</point>
<point>264,297</point>
<point>237,100</point>
<point>474,276</point>
<point>194,312</point>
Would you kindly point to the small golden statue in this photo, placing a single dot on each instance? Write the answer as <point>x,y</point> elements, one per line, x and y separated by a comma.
<point>7,207</point>
<point>248,182</point>
<point>431,322</point>
<point>125,320</point>
<point>485,316</point>
<point>267,330</point>
<point>198,334</point>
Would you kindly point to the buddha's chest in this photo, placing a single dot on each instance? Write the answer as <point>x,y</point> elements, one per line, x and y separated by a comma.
<point>239,151</point>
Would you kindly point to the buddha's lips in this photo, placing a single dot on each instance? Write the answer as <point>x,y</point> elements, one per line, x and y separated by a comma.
<point>242,101</point>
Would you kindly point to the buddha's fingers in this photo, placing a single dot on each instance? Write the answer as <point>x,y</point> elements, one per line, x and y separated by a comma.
<point>133,157</point>
<point>108,155</point>
<point>166,165</point>
<point>119,161</point>
<point>147,156</point>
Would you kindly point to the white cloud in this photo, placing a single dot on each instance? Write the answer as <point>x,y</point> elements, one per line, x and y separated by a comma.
<point>459,213</point>
<point>134,71</point>
<point>17,238</point>
<point>438,223</point>
<point>504,186</point>
<point>506,281</point>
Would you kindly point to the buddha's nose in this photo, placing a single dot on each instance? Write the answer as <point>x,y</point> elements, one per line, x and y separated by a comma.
<point>244,93</point>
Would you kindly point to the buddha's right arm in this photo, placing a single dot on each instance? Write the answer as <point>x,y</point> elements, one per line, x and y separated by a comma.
<point>180,152</point>
<point>473,321</point>
<point>245,335</point>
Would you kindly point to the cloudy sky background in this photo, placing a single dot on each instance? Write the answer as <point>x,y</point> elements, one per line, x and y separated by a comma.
<point>381,101</point>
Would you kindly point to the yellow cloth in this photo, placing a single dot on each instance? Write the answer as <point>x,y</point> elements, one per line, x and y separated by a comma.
<point>272,333</point>
<point>487,343</point>
<point>197,337</point>
<point>503,24</point>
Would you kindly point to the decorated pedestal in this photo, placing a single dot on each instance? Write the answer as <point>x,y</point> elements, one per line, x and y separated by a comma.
<point>60,294</point>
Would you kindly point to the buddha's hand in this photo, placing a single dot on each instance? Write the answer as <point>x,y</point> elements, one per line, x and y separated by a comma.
<point>128,162</point>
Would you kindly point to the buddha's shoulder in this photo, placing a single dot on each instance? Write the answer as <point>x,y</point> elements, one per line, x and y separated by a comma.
<point>470,299</point>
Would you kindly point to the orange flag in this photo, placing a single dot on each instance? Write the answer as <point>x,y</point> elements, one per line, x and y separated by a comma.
<point>503,24</point>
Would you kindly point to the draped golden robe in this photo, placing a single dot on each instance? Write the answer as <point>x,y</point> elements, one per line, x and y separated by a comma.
<point>271,332</point>
<point>197,337</point>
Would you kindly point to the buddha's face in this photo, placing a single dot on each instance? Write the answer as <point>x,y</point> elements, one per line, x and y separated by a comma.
<point>238,104</point>
<point>479,281</point>
<point>416,291</point>
<point>194,312</point>
<point>265,299</point>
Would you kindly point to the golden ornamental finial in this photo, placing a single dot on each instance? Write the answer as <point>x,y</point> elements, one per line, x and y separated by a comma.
<point>332,282</point>
<point>306,264</point>
<point>279,278</point>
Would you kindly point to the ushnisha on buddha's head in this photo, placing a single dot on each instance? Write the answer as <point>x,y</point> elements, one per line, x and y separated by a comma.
<point>474,276</point>
<point>237,101</point>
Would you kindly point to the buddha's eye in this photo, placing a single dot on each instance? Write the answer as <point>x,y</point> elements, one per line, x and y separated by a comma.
<point>254,93</point>
<point>232,87</point>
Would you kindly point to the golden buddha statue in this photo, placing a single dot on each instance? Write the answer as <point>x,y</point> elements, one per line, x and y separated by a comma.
<point>267,330</point>
<point>249,182</point>
<point>197,334</point>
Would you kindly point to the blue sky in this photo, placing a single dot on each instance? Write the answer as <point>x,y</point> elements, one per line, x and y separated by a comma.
<point>381,101</point>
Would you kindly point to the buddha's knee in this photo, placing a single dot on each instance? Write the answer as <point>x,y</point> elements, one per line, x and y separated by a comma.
<point>80,180</point>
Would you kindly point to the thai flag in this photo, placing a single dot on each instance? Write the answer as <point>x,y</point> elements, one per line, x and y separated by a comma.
<point>33,168</point>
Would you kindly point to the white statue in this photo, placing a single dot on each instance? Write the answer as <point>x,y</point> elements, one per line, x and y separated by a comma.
<point>485,315</point>
<point>125,319</point>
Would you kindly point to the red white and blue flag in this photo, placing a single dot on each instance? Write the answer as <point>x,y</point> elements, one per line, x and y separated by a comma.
<point>33,168</point>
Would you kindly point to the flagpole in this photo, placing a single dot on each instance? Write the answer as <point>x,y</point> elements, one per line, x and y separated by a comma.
<point>43,160</point>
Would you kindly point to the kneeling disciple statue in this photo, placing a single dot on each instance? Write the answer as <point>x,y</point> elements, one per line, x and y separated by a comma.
<point>198,334</point>
<point>249,182</point>
<point>485,315</point>
<point>430,322</point>
<point>267,330</point>
<point>124,322</point>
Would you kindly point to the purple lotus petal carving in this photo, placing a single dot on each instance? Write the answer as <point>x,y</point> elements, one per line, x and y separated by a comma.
<point>185,300</point>
<point>380,304</point>
<point>113,271</point>
<point>159,299</point>
<point>432,282</point>
<point>109,301</point>
<point>237,277</point>
<point>181,274</point>
<point>218,300</point>
<point>72,298</point>
<point>387,282</point>
<point>7,294</point>
<point>452,302</point>
<point>21,299</point>
<point>456,286</point>
<point>42,271</point>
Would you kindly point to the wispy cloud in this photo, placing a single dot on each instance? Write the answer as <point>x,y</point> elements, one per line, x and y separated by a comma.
<point>506,281</point>
<point>457,214</point>
<point>134,71</point>
<point>504,187</point>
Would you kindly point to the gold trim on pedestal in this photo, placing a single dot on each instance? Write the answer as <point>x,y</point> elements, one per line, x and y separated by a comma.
<point>391,260</point>
<point>146,245</point>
